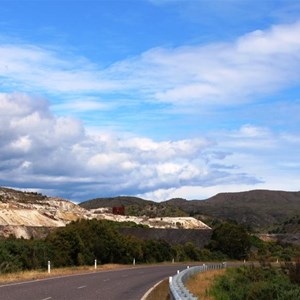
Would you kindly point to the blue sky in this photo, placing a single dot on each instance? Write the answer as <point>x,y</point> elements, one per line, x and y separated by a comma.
<point>154,98</point>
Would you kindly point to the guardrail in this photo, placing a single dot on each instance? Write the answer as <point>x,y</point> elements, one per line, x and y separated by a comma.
<point>176,283</point>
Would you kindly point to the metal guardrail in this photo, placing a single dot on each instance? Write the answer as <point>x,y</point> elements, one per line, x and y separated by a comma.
<point>176,283</point>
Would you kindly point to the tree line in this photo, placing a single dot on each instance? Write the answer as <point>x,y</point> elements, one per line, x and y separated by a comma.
<point>81,242</point>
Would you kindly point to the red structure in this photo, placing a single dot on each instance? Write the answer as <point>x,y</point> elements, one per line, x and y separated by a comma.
<point>118,210</point>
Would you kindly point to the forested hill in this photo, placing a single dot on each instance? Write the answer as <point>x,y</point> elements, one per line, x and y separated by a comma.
<point>115,201</point>
<point>136,206</point>
<point>255,208</point>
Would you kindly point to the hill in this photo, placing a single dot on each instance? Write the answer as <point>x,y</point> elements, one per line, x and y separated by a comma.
<point>136,206</point>
<point>257,208</point>
<point>114,201</point>
<point>263,210</point>
<point>30,214</point>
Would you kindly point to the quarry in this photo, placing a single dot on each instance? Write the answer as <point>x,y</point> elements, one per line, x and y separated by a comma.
<point>30,215</point>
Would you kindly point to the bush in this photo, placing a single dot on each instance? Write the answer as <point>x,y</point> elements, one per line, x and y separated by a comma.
<point>232,240</point>
<point>20,254</point>
<point>81,242</point>
<point>255,283</point>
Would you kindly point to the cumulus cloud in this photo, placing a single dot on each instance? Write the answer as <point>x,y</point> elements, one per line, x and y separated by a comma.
<point>252,157</point>
<point>41,151</point>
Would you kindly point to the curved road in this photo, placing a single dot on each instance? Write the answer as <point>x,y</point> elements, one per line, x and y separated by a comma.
<point>124,284</point>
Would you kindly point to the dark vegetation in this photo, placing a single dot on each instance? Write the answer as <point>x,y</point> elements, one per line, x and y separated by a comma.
<point>257,208</point>
<point>259,283</point>
<point>292,225</point>
<point>80,242</point>
<point>231,239</point>
<point>172,236</point>
<point>115,201</point>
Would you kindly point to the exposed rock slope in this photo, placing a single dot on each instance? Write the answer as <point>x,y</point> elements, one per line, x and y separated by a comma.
<point>163,222</point>
<point>26,214</point>
<point>32,209</point>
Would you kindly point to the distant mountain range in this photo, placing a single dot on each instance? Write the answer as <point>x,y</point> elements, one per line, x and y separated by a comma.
<point>256,208</point>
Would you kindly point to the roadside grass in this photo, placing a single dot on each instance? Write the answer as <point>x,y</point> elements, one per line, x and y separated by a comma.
<point>42,274</point>
<point>160,292</point>
<point>200,284</point>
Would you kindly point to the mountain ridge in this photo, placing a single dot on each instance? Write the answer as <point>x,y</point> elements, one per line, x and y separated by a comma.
<point>259,209</point>
<point>254,208</point>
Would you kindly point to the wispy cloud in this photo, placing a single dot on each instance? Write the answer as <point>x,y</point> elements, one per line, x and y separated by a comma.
<point>86,104</point>
<point>254,65</point>
<point>32,68</point>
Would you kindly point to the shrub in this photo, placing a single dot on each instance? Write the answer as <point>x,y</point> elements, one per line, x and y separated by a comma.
<point>255,283</point>
<point>232,240</point>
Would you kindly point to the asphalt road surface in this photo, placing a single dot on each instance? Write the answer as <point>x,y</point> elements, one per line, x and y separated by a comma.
<point>124,284</point>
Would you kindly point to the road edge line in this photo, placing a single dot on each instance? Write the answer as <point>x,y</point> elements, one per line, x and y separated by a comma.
<point>151,289</point>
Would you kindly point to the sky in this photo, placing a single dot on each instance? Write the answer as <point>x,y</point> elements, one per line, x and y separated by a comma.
<point>151,98</point>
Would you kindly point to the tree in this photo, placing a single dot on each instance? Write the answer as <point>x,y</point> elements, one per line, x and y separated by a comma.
<point>231,239</point>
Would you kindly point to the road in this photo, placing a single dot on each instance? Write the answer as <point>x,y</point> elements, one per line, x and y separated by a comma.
<point>124,284</point>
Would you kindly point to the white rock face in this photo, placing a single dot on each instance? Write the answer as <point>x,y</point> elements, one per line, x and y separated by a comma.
<point>164,222</point>
<point>27,217</point>
<point>52,212</point>
<point>18,213</point>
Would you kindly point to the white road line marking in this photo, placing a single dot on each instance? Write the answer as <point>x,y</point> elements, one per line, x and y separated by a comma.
<point>47,298</point>
<point>82,287</point>
<point>150,290</point>
<point>69,276</point>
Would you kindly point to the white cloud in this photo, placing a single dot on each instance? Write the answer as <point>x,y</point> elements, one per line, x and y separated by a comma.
<point>253,131</point>
<point>87,104</point>
<point>40,151</point>
<point>30,68</point>
<point>279,40</point>
<point>221,73</point>
<point>23,143</point>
